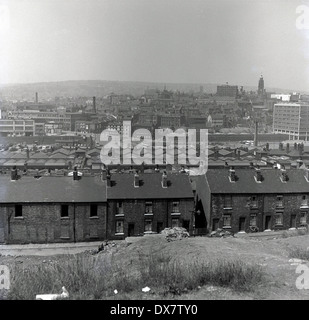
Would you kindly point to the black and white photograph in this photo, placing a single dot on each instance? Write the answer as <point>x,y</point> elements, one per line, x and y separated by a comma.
<point>154,154</point>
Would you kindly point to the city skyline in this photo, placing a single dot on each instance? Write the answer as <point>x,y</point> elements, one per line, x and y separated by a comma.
<point>154,41</point>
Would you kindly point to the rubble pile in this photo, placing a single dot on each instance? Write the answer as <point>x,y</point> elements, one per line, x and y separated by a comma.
<point>176,233</point>
<point>220,233</point>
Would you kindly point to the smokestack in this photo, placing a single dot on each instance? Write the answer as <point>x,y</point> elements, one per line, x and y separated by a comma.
<point>94,105</point>
<point>256,134</point>
<point>287,148</point>
<point>267,146</point>
<point>36,98</point>
<point>164,180</point>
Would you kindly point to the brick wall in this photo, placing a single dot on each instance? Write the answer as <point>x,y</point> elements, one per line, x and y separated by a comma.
<point>266,206</point>
<point>42,223</point>
<point>134,213</point>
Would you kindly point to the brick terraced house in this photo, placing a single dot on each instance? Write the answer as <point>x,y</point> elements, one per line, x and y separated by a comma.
<point>47,209</point>
<point>147,203</point>
<point>51,209</point>
<point>254,199</point>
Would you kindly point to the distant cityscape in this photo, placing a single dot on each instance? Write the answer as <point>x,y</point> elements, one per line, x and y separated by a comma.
<point>50,157</point>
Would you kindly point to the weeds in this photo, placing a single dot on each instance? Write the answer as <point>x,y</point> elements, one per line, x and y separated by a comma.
<point>96,277</point>
<point>299,253</point>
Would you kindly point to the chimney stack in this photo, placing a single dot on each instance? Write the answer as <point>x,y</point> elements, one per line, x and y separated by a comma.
<point>104,173</point>
<point>36,98</point>
<point>258,174</point>
<point>267,146</point>
<point>164,180</point>
<point>136,180</point>
<point>238,155</point>
<point>287,148</point>
<point>295,145</point>
<point>14,174</point>
<point>284,176</point>
<point>108,179</point>
<point>307,173</point>
<point>232,175</point>
<point>75,174</point>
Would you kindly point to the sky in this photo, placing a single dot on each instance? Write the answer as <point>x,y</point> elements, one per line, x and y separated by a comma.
<point>169,41</point>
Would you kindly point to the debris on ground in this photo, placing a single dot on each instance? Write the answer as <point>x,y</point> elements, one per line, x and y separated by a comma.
<point>146,289</point>
<point>176,233</point>
<point>53,296</point>
<point>220,233</point>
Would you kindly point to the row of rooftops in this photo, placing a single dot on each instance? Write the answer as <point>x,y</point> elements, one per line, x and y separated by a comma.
<point>257,181</point>
<point>100,188</point>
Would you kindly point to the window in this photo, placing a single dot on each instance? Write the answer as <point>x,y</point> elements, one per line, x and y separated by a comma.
<point>175,207</point>
<point>227,201</point>
<point>175,223</point>
<point>226,220</point>
<point>279,218</point>
<point>304,201</point>
<point>148,225</point>
<point>119,226</point>
<point>254,202</point>
<point>148,207</point>
<point>64,211</point>
<point>93,210</point>
<point>119,207</point>
<point>303,218</point>
<point>18,210</point>
<point>252,220</point>
<point>279,201</point>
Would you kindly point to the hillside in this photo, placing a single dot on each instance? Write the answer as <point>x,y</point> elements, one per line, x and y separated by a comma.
<point>129,259</point>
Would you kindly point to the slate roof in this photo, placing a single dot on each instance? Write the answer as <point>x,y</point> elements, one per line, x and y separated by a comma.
<point>179,186</point>
<point>51,190</point>
<point>219,182</point>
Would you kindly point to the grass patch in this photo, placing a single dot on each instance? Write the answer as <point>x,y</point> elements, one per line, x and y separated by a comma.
<point>299,253</point>
<point>96,277</point>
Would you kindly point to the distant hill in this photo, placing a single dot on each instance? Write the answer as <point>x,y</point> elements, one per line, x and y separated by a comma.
<point>99,88</point>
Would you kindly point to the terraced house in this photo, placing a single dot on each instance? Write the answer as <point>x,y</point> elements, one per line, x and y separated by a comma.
<point>254,199</point>
<point>148,203</point>
<point>46,209</point>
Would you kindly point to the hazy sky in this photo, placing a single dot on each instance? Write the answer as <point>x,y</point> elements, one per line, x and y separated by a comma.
<point>188,41</point>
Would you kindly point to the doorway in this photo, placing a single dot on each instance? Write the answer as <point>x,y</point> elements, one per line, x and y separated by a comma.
<point>242,221</point>
<point>267,222</point>
<point>130,229</point>
<point>293,221</point>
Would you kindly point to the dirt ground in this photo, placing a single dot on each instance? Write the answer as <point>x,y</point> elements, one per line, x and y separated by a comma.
<point>271,253</point>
